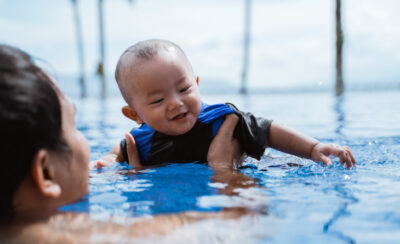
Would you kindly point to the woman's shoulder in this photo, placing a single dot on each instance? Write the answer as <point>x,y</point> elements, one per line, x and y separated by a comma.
<point>60,228</point>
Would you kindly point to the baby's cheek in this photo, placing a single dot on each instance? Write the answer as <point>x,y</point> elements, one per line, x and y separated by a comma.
<point>198,108</point>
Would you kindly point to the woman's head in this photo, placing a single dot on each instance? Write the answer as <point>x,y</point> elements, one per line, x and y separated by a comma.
<point>37,133</point>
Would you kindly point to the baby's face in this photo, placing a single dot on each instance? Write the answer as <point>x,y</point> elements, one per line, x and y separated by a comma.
<point>164,93</point>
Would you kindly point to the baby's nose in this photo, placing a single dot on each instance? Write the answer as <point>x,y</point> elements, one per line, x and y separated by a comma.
<point>175,102</point>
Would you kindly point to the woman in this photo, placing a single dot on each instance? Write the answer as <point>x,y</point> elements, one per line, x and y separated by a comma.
<point>45,161</point>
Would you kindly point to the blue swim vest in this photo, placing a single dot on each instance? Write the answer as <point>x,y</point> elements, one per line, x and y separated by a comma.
<point>155,147</point>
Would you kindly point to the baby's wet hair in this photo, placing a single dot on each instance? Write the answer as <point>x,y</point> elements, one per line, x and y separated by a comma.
<point>143,51</point>
<point>148,49</point>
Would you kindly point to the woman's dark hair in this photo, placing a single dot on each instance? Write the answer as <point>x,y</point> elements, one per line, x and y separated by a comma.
<point>30,119</point>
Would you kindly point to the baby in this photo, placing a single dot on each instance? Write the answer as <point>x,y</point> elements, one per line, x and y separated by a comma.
<point>162,93</point>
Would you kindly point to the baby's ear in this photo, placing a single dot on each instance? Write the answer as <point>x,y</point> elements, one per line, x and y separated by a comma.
<point>197,80</point>
<point>131,114</point>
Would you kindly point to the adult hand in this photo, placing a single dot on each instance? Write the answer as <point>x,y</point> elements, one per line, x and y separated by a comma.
<point>224,151</point>
<point>133,154</point>
<point>322,151</point>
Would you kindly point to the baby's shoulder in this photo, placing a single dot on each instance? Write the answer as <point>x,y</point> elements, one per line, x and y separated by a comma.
<point>212,112</point>
<point>143,130</point>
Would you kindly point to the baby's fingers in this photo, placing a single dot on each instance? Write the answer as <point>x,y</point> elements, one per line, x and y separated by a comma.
<point>98,164</point>
<point>325,160</point>
<point>350,153</point>
<point>345,157</point>
<point>94,164</point>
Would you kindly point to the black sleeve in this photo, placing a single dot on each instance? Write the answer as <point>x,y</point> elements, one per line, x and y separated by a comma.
<point>252,133</point>
<point>124,151</point>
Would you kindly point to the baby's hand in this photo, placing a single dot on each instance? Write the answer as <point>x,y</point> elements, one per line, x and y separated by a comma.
<point>100,163</point>
<point>115,155</point>
<point>322,151</point>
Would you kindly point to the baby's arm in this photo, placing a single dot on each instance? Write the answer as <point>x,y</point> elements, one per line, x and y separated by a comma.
<point>107,159</point>
<point>291,141</point>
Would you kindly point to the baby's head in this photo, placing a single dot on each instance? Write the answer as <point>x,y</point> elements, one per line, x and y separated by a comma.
<point>159,86</point>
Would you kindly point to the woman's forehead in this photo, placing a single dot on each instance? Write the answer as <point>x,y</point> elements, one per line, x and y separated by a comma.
<point>56,88</point>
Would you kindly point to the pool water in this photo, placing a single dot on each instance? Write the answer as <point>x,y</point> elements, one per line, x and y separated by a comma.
<point>292,200</point>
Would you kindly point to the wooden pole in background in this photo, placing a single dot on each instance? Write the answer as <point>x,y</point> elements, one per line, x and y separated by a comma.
<point>246,46</point>
<point>339,47</point>
<point>79,41</point>
<point>100,67</point>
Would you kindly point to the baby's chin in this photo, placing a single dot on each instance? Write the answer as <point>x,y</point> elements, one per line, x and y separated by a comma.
<point>180,130</point>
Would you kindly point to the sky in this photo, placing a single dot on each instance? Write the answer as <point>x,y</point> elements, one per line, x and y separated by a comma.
<point>292,41</point>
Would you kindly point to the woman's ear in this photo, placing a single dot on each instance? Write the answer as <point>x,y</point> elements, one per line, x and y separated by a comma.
<point>131,114</point>
<point>43,174</point>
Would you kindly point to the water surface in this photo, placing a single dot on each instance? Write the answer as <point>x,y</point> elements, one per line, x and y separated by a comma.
<point>295,200</point>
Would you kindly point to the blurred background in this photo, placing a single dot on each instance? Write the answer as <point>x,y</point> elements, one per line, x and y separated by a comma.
<point>280,46</point>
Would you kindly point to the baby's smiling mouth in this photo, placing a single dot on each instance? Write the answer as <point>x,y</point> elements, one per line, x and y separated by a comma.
<point>179,116</point>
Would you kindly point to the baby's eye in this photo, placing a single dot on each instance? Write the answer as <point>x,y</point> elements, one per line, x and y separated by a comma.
<point>157,101</point>
<point>185,89</point>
